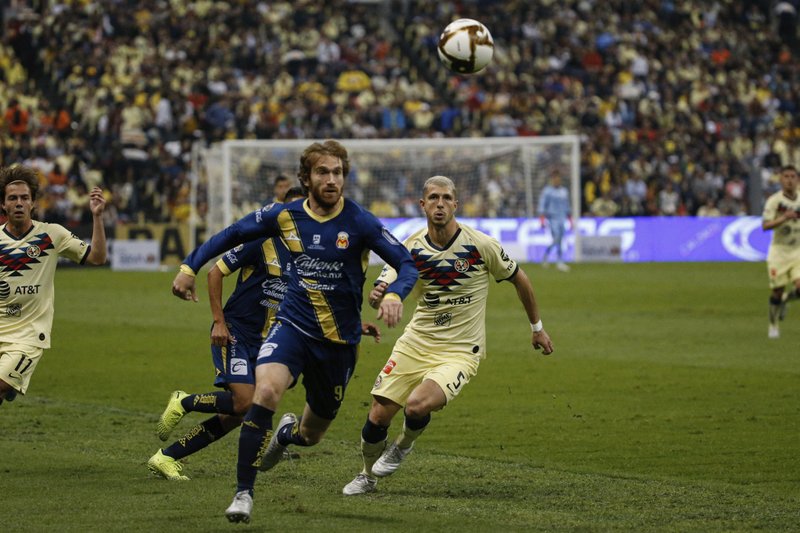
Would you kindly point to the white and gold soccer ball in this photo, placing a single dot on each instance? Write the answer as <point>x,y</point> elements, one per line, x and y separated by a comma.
<point>466,46</point>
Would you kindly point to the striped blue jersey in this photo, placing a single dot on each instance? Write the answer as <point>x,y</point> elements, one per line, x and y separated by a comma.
<point>260,285</point>
<point>330,256</point>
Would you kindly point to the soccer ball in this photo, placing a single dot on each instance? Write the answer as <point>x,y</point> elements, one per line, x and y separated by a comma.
<point>466,46</point>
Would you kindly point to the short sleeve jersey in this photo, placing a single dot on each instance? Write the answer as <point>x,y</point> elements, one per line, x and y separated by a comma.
<point>453,285</point>
<point>786,237</point>
<point>27,271</point>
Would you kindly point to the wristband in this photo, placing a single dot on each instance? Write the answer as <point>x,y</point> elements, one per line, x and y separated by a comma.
<point>537,327</point>
<point>186,269</point>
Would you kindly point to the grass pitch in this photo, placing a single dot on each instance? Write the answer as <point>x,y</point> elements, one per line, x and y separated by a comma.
<point>664,408</point>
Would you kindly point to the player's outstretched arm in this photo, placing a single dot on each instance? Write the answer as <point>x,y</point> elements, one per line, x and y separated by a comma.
<point>97,204</point>
<point>540,339</point>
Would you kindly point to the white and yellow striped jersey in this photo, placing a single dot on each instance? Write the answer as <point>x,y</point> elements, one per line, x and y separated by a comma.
<point>27,269</point>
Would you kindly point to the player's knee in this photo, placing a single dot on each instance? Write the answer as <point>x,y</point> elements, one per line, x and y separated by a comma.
<point>266,395</point>
<point>241,404</point>
<point>418,407</point>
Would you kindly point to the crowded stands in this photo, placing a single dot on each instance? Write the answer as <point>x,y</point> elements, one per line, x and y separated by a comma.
<point>683,107</point>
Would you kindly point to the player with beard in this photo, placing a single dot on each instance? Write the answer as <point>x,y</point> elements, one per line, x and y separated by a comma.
<point>318,325</point>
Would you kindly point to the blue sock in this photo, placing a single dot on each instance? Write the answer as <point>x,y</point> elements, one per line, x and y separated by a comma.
<point>197,438</point>
<point>210,402</point>
<point>255,434</point>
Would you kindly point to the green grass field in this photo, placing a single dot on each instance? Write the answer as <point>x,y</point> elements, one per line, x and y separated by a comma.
<point>664,408</point>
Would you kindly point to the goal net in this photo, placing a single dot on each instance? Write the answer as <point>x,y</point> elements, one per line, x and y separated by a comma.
<point>496,177</point>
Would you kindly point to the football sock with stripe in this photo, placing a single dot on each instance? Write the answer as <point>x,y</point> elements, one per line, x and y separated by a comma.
<point>197,438</point>
<point>253,439</point>
<point>373,442</point>
<point>412,428</point>
<point>210,402</point>
<point>774,309</point>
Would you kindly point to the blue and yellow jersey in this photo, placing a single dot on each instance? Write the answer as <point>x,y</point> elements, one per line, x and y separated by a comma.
<point>260,286</point>
<point>27,269</point>
<point>330,256</point>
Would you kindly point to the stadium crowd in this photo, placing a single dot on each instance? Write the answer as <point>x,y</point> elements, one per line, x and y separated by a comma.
<point>684,107</point>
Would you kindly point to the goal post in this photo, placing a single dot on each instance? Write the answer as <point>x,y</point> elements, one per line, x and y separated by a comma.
<point>496,177</point>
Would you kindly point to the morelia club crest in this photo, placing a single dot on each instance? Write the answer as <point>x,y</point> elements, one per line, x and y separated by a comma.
<point>342,240</point>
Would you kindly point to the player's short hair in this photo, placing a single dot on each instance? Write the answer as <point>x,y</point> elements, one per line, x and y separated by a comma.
<point>315,151</point>
<point>27,175</point>
<point>295,193</point>
<point>792,168</point>
<point>278,179</point>
<point>440,181</point>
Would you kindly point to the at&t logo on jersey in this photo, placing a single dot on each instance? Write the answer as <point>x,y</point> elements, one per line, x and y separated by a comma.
<point>431,299</point>
<point>5,290</point>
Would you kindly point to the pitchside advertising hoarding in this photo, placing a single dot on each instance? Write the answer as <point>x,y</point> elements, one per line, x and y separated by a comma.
<point>638,239</point>
<point>641,239</point>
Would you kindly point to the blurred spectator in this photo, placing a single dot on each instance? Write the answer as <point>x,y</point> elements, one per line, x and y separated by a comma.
<point>709,208</point>
<point>604,206</point>
<point>16,118</point>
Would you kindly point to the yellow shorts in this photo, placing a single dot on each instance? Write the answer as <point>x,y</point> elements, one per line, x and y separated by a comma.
<point>783,271</point>
<point>17,363</point>
<point>407,368</point>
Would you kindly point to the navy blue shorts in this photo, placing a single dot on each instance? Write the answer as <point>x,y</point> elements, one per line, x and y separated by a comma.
<point>236,361</point>
<point>326,367</point>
